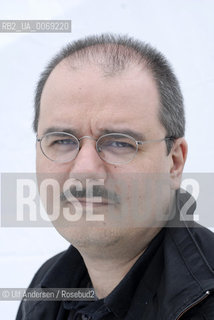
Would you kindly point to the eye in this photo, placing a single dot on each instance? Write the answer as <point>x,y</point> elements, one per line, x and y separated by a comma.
<point>119,145</point>
<point>65,142</point>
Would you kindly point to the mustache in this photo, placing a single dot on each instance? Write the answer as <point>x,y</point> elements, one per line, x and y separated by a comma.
<point>97,191</point>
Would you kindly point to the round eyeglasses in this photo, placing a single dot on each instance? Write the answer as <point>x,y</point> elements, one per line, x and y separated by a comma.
<point>113,148</point>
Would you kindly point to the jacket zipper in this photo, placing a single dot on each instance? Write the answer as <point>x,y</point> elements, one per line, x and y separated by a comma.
<point>193,304</point>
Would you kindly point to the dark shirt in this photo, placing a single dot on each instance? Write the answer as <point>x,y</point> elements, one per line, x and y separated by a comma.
<point>131,295</point>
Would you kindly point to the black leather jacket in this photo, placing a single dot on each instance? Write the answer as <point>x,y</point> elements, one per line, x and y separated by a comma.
<point>186,290</point>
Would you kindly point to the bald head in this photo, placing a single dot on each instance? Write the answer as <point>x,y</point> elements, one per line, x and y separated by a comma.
<point>113,55</point>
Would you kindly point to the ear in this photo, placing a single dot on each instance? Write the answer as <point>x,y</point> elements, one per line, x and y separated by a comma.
<point>178,156</point>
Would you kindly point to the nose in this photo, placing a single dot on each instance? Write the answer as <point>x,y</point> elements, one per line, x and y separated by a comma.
<point>87,162</point>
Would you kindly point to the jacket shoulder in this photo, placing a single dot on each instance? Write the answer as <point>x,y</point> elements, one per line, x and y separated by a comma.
<point>204,239</point>
<point>37,279</point>
<point>45,267</point>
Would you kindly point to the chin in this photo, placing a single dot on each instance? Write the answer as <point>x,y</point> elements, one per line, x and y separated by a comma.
<point>91,236</point>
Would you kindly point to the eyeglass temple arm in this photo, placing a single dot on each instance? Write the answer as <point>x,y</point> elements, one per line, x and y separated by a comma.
<point>158,140</point>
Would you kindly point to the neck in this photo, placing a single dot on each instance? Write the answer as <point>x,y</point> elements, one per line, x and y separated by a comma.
<point>108,262</point>
<point>107,274</point>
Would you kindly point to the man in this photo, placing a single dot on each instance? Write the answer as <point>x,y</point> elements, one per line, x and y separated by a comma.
<point>109,117</point>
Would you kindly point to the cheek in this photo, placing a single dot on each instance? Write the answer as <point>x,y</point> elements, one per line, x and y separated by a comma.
<point>40,160</point>
<point>44,165</point>
<point>49,172</point>
<point>155,162</point>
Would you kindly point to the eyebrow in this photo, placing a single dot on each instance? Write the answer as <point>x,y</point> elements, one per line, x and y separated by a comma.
<point>60,129</point>
<point>135,134</point>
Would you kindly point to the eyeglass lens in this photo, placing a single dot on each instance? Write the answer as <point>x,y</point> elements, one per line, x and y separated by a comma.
<point>63,147</point>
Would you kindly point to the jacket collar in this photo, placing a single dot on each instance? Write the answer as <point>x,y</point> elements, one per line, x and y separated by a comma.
<point>187,275</point>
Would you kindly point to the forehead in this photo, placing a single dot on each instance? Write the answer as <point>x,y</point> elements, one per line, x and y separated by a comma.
<point>89,101</point>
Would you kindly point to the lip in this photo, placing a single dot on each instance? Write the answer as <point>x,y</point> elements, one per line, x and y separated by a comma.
<point>85,203</point>
<point>94,204</point>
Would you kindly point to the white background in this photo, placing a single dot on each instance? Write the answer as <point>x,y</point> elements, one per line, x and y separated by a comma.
<point>182,29</point>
